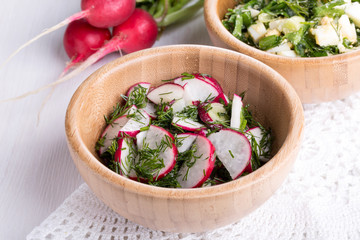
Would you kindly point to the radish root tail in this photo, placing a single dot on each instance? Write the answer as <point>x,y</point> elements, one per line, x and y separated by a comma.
<point>87,63</point>
<point>74,17</point>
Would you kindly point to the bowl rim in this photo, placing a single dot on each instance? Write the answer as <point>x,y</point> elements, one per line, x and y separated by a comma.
<point>293,138</point>
<point>210,10</point>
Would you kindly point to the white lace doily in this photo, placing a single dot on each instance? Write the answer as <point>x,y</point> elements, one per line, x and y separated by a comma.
<point>319,200</point>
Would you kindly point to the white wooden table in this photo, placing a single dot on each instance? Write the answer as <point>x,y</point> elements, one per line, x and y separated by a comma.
<point>36,170</point>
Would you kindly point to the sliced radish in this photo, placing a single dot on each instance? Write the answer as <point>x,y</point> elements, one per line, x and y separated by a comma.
<point>166,93</point>
<point>125,155</point>
<point>213,114</point>
<point>130,110</point>
<point>233,149</point>
<point>194,172</point>
<point>258,135</point>
<point>187,124</point>
<point>140,137</point>
<point>145,85</point>
<point>137,121</point>
<point>202,132</point>
<point>222,97</point>
<point>111,132</point>
<point>178,105</point>
<point>150,110</point>
<point>154,139</point>
<point>196,89</point>
<point>185,141</point>
<point>210,80</point>
<point>236,112</point>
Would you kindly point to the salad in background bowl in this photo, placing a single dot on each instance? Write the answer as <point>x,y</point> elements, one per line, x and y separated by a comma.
<point>292,28</point>
<point>311,43</point>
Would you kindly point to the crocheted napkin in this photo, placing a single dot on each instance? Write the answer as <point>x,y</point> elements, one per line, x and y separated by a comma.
<point>320,198</point>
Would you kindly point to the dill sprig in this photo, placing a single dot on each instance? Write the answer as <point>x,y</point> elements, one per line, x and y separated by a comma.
<point>149,161</point>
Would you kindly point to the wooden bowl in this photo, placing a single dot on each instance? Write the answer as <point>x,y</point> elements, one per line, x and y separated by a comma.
<point>273,102</point>
<point>314,79</point>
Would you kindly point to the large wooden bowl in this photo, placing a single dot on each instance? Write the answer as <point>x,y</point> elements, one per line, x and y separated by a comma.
<point>314,79</point>
<point>273,102</point>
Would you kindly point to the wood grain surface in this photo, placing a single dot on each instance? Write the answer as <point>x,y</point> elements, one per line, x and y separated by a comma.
<point>314,79</point>
<point>273,102</point>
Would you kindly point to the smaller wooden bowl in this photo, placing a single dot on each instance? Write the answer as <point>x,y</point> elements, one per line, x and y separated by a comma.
<point>273,102</point>
<point>314,79</point>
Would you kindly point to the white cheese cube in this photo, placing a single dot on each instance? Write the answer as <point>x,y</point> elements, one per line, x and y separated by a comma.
<point>283,47</point>
<point>271,32</point>
<point>353,11</point>
<point>326,35</point>
<point>347,29</point>
<point>253,12</point>
<point>277,24</point>
<point>257,31</point>
<point>290,53</point>
<point>292,24</point>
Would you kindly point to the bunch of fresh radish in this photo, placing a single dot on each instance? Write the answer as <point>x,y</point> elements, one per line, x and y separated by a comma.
<point>88,38</point>
<point>183,133</point>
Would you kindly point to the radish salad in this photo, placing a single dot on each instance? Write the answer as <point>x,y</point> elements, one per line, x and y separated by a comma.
<point>293,28</point>
<point>184,133</point>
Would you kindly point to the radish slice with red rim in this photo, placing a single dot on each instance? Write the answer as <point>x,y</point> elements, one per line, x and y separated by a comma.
<point>125,155</point>
<point>263,142</point>
<point>209,79</point>
<point>137,120</point>
<point>185,141</point>
<point>166,93</point>
<point>197,90</point>
<point>156,155</point>
<point>111,132</point>
<point>213,114</point>
<point>144,85</point>
<point>237,118</point>
<point>195,171</point>
<point>150,110</point>
<point>233,149</point>
<point>187,124</point>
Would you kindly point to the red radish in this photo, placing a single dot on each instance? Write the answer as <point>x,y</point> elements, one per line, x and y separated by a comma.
<point>222,97</point>
<point>202,132</point>
<point>140,137</point>
<point>154,139</point>
<point>82,40</point>
<point>166,93</point>
<point>213,114</point>
<point>136,121</point>
<point>99,13</point>
<point>107,13</point>
<point>185,141</point>
<point>210,80</point>
<point>138,32</point>
<point>178,105</point>
<point>126,125</point>
<point>196,90</point>
<point>233,149</point>
<point>187,124</point>
<point>145,85</point>
<point>111,132</point>
<point>257,134</point>
<point>150,110</point>
<point>125,155</point>
<point>195,171</point>
<point>236,112</point>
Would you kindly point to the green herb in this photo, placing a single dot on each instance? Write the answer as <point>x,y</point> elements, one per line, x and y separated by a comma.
<point>269,42</point>
<point>231,154</point>
<point>149,161</point>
